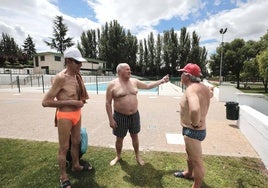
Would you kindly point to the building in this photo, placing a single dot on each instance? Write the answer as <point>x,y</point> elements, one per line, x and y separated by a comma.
<point>52,63</point>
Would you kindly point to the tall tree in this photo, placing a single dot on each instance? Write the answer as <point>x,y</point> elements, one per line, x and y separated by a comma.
<point>151,54</point>
<point>9,50</point>
<point>112,43</point>
<point>140,56</point>
<point>29,48</point>
<point>235,58</point>
<point>145,59</point>
<point>263,67</point>
<point>158,50</point>
<point>131,49</point>
<point>89,44</point>
<point>59,40</point>
<point>184,47</point>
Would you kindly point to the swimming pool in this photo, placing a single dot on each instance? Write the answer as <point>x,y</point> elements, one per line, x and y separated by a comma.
<point>102,87</point>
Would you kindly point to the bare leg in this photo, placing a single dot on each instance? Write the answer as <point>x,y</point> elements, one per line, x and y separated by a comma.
<point>76,138</point>
<point>195,163</point>
<point>135,143</point>
<point>118,146</point>
<point>64,128</point>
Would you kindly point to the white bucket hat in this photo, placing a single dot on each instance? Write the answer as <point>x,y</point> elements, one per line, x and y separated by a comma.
<point>74,53</point>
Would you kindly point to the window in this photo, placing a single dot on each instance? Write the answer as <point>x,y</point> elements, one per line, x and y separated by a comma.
<point>57,58</point>
<point>42,58</point>
<point>36,62</point>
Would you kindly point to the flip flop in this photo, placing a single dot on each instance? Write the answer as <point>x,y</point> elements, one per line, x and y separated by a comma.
<point>179,174</point>
<point>87,167</point>
<point>65,184</point>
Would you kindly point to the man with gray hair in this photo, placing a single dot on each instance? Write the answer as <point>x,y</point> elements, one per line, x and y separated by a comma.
<point>194,107</point>
<point>125,117</point>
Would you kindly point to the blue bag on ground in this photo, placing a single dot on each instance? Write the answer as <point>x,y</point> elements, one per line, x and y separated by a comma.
<point>83,144</point>
<point>84,140</point>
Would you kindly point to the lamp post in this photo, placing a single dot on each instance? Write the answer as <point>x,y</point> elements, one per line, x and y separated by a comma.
<point>222,32</point>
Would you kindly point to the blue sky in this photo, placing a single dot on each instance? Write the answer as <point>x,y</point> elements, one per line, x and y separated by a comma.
<point>246,19</point>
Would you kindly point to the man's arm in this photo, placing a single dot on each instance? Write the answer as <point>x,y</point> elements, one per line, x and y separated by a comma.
<point>143,85</point>
<point>49,98</point>
<point>194,107</point>
<point>108,105</point>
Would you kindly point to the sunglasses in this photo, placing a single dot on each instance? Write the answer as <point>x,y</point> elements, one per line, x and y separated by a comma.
<point>76,62</point>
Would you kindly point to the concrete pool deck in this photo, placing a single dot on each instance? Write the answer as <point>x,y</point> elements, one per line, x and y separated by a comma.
<point>23,117</point>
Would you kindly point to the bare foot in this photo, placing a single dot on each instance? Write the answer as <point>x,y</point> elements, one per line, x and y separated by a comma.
<point>86,167</point>
<point>115,160</point>
<point>140,161</point>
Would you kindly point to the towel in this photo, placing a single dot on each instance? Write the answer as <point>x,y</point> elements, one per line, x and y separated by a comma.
<point>81,92</point>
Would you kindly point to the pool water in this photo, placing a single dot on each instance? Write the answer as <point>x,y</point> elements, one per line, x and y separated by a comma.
<point>103,86</point>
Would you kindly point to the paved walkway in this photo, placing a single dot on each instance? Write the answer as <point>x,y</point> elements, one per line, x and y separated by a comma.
<point>23,117</point>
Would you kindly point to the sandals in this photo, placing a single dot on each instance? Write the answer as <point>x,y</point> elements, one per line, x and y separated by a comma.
<point>179,174</point>
<point>86,168</point>
<point>65,184</point>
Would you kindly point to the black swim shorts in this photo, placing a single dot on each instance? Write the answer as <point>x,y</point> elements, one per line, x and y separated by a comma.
<point>195,134</point>
<point>126,123</point>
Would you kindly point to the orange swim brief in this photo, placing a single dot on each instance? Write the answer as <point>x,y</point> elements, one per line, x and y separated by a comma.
<point>72,116</point>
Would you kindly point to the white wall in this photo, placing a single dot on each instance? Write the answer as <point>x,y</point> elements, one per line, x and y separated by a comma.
<point>254,125</point>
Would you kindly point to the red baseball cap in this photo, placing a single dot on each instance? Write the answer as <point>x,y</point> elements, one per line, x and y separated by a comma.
<point>192,69</point>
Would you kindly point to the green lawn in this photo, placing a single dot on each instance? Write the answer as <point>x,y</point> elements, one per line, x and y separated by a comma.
<point>33,164</point>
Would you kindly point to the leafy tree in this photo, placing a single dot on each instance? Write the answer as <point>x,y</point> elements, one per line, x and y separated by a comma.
<point>29,48</point>
<point>131,49</point>
<point>264,42</point>
<point>140,56</point>
<point>59,40</point>
<point>158,50</point>
<point>9,51</point>
<point>170,51</point>
<point>235,57</point>
<point>263,67</point>
<point>89,44</point>
<point>184,47</point>
<point>151,54</point>
<point>112,43</point>
<point>145,67</point>
<point>250,70</point>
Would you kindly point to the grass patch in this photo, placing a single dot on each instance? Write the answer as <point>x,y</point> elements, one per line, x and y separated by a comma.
<point>33,164</point>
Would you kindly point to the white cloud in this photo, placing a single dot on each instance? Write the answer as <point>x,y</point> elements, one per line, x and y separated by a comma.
<point>139,13</point>
<point>35,17</point>
<point>248,22</point>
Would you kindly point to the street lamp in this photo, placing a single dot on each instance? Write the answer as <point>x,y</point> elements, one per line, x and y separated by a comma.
<point>222,32</point>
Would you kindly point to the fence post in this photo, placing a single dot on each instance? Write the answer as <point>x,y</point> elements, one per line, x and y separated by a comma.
<point>18,83</point>
<point>97,86</point>
<point>43,85</point>
<point>11,79</point>
<point>31,79</point>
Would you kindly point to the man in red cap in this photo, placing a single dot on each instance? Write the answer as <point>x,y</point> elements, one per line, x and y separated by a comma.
<point>194,107</point>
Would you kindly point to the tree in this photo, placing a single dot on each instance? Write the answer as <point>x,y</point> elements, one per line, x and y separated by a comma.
<point>151,54</point>
<point>158,50</point>
<point>140,56</point>
<point>263,67</point>
<point>112,43</point>
<point>145,59</point>
<point>9,51</point>
<point>59,42</point>
<point>29,48</point>
<point>250,70</point>
<point>131,49</point>
<point>184,47</point>
<point>89,44</point>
